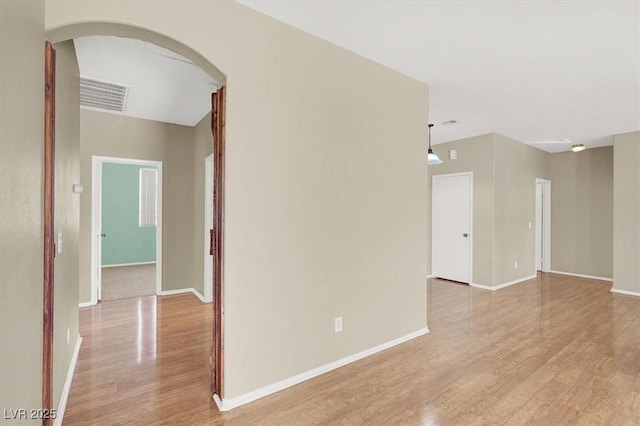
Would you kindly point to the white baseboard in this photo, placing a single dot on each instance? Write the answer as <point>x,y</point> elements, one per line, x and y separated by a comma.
<point>626,292</point>
<point>582,276</point>
<point>67,383</point>
<point>482,286</point>
<point>230,403</point>
<point>199,295</point>
<point>182,291</point>
<point>116,265</point>
<point>429,276</point>
<point>162,293</point>
<point>218,402</point>
<point>178,291</point>
<point>503,285</point>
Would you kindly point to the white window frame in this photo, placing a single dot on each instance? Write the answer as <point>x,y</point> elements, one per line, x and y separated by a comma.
<point>148,198</point>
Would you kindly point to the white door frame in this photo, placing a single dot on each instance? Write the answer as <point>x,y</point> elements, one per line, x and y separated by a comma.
<point>208,224</point>
<point>546,227</point>
<point>96,220</point>
<point>470,174</point>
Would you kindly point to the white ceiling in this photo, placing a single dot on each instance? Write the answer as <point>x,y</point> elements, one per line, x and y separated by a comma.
<point>163,86</point>
<point>534,71</point>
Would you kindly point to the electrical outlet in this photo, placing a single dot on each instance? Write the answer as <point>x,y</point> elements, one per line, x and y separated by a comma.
<point>515,265</point>
<point>338,324</point>
<point>529,224</point>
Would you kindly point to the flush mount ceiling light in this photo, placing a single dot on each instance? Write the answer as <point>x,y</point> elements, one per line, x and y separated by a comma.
<point>575,147</point>
<point>432,158</point>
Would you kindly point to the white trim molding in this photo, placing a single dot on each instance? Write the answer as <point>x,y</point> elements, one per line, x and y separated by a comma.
<point>230,403</point>
<point>96,220</point>
<point>177,291</point>
<point>162,293</point>
<point>200,296</point>
<point>481,286</point>
<point>503,285</point>
<point>546,220</point>
<point>625,292</point>
<point>67,383</point>
<point>591,277</point>
<point>219,403</point>
<point>183,291</point>
<point>117,265</point>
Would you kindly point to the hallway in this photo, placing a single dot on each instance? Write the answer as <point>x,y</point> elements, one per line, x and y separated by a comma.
<point>142,360</point>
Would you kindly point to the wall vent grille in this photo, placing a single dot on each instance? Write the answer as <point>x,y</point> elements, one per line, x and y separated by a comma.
<point>102,95</point>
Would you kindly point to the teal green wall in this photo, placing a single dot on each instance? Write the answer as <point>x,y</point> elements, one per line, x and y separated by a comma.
<point>125,241</point>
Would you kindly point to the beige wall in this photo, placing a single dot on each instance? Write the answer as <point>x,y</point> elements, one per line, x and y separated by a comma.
<point>114,135</point>
<point>516,167</point>
<point>202,147</point>
<point>474,155</point>
<point>504,175</point>
<point>626,199</point>
<point>67,211</point>
<point>582,212</point>
<point>21,155</point>
<point>325,187</point>
<point>504,203</point>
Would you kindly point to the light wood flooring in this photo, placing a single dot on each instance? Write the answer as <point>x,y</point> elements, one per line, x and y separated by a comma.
<point>554,350</point>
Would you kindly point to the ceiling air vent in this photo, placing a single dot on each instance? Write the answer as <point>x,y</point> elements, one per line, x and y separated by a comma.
<point>449,122</point>
<point>102,95</point>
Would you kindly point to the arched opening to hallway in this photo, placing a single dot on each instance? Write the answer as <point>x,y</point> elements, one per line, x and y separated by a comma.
<point>216,125</point>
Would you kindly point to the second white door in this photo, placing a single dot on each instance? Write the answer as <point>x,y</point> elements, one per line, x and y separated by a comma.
<point>451,224</point>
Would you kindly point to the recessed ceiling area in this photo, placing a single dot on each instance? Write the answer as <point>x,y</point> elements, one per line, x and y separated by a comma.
<point>162,85</point>
<point>534,71</point>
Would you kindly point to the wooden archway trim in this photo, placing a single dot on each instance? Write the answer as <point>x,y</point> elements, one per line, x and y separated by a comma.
<point>218,114</point>
<point>49,249</point>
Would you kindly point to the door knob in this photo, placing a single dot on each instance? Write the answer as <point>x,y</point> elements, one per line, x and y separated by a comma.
<point>103,235</point>
<point>465,235</point>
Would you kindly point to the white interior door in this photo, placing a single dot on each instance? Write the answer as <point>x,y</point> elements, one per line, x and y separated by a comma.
<point>208,224</point>
<point>100,235</point>
<point>539,230</point>
<point>451,224</point>
<point>543,225</point>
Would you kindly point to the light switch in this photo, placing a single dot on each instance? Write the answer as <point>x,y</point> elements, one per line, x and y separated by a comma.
<point>453,154</point>
<point>59,245</point>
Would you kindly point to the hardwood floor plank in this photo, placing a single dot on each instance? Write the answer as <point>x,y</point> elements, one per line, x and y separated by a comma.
<point>539,406</point>
<point>553,350</point>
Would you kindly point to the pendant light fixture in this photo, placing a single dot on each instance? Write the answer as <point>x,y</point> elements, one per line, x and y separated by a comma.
<point>432,158</point>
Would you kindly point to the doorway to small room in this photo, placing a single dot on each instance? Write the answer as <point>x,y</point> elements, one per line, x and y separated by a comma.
<point>142,323</point>
<point>543,225</point>
<point>126,228</point>
<point>451,225</point>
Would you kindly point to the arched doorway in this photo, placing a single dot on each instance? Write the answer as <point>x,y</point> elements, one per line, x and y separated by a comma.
<point>218,109</point>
